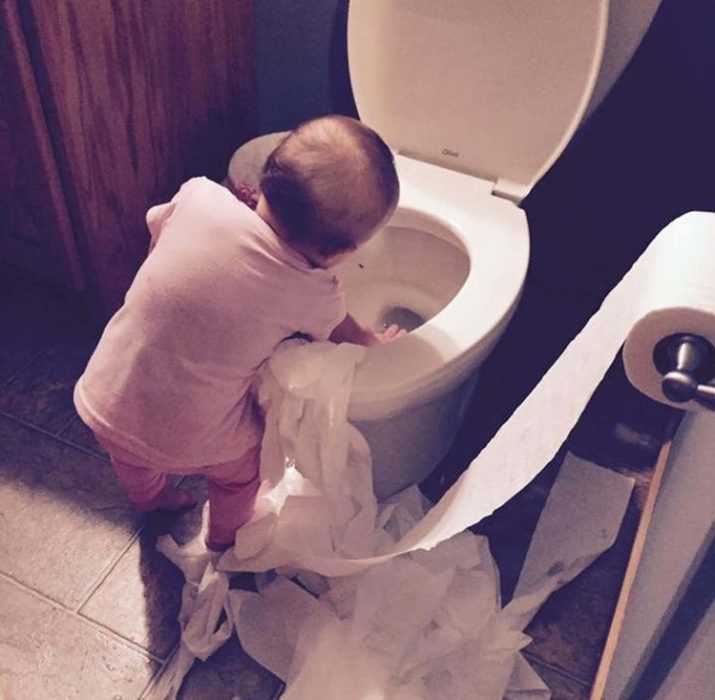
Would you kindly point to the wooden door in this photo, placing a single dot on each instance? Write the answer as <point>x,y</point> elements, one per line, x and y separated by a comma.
<point>139,96</point>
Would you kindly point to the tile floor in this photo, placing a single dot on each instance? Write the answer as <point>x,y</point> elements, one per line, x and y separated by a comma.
<point>88,608</point>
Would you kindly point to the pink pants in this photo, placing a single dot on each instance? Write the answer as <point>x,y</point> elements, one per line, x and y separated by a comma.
<point>232,488</point>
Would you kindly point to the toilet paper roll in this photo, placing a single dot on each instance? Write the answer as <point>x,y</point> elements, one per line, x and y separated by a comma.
<point>679,299</point>
<point>668,290</point>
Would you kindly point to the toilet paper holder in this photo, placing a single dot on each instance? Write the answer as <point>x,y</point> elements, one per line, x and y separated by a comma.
<point>687,363</point>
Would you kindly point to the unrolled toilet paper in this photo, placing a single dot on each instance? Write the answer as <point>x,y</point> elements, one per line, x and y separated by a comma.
<point>669,289</point>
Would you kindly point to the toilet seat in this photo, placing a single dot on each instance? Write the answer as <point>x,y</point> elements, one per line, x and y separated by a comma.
<point>482,87</point>
<point>443,351</point>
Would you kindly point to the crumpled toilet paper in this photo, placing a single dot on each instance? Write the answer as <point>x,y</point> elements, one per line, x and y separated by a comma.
<point>317,501</point>
<point>423,625</point>
<point>430,624</point>
<point>316,461</point>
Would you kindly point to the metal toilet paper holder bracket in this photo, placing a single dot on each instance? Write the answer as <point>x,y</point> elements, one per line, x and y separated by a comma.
<point>687,363</point>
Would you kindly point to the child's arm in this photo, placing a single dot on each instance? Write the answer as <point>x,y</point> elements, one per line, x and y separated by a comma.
<point>350,331</point>
<point>156,217</point>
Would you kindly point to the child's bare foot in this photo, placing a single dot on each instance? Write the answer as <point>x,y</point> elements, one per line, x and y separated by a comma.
<point>171,498</point>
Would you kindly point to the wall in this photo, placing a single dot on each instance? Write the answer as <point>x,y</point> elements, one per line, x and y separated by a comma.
<point>301,64</point>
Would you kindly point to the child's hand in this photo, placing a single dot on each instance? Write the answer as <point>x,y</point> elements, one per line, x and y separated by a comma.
<point>391,333</point>
<point>350,331</point>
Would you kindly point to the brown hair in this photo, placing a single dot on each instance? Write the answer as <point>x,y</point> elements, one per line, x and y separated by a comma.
<point>330,182</point>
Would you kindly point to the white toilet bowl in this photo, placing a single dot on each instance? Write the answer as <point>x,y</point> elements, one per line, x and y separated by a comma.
<point>478,99</point>
<point>457,262</point>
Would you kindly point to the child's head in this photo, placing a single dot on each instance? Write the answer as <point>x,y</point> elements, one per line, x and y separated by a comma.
<point>329,186</point>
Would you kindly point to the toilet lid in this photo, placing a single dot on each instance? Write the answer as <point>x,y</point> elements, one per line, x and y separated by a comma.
<point>494,88</point>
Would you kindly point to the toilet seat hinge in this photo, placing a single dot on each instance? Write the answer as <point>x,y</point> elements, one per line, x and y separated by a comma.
<point>508,189</point>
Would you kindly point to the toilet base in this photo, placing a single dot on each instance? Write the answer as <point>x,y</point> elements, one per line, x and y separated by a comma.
<point>406,447</point>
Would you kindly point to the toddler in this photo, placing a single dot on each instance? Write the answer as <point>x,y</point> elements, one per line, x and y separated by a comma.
<point>167,390</point>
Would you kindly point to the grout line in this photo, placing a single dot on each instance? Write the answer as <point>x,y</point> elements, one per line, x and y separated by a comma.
<point>98,626</point>
<point>66,427</point>
<point>556,669</point>
<point>102,629</point>
<point>147,692</point>
<point>81,618</point>
<point>103,575</point>
<point>48,434</point>
<point>35,592</point>
<point>149,688</point>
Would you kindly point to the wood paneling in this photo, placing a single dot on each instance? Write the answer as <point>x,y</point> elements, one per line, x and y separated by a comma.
<point>139,95</point>
<point>35,232</point>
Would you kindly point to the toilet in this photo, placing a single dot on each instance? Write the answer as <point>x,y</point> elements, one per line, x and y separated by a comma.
<point>477,99</point>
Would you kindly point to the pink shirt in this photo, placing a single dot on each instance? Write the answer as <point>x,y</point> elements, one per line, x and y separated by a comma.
<point>169,379</point>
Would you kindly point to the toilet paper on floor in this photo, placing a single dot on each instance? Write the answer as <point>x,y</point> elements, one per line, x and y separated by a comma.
<point>430,624</point>
<point>422,625</point>
<point>321,483</point>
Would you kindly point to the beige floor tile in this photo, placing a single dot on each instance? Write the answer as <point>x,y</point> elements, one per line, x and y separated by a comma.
<point>47,652</point>
<point>141,596</point>
<point>63,516</point>
<point>13,358</point>
<point>140,599</point>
